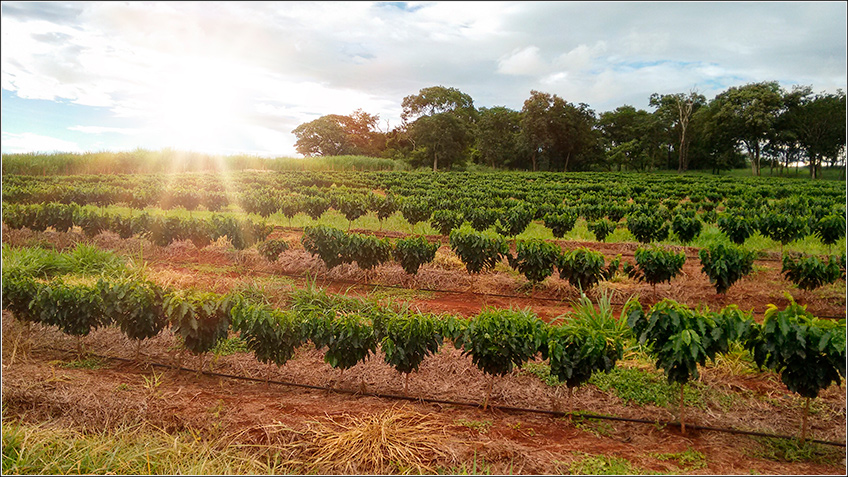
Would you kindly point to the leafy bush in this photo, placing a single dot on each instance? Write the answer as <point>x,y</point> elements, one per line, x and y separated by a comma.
<point>686,227</point>
<point>272,335</point>
<point>326,242</point>
<point>407,338</point>
<point>479,251</point>
<point>809,272</point>
<point>271,249</point>
<point>498,340</point>
<point>647,227</point>
<point>349,338</point>
<point>135,305</point>
<point>560,224</point>
<point>725,265</point>
<point>830,229</point>
<point>481,218</point>
<point>367,251</point>
<point>809,353</point>
<point>413,252</point>
<point>736,227</point>
<point>782,228</point>
<point>201,319</point>
<point>657,265</point>
<point>583,268</point>
<point>535,259</point>
<point>446,220</point>
<point>601,228</point>
<point>415,209</point>
<point>75,309</point>
<point>514,221</point>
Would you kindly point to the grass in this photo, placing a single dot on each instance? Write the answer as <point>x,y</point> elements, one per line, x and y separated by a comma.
<point>91,362</point>
<point>44,450</point>
<point>602,465</point>
<point>789,450</point>
<point>644,387</point>
<point>480,426</point>
<point>230,346</point>
<point>169,160</point>
<point>83,260</point>
<point>689,459</point>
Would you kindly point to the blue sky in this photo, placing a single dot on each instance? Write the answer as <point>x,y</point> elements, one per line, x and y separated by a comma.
<point>238,77</point>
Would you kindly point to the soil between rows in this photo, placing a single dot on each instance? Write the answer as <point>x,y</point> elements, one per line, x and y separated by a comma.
<point>36,388</point>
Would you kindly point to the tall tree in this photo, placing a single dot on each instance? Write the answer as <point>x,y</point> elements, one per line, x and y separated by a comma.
<point>497,137</point>
<point>336,134</point>
<point>439,121</point>
<point>556,130</point>
<point>677,110</point>
<point>632,137</point>
<point>750,112</point>
<point>820,126</point>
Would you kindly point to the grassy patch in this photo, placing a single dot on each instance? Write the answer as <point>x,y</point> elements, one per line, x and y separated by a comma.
<point>480,426</point>
<point>790,450</point>
<point>230,346</point>
<point>44,263</point>
<point>541,371</point>
<point>477,466</point>
<point>688,460</point>
<point>602,465</point>
<point>643,387</point>
<point>91,362</point>
<point>593,426</point>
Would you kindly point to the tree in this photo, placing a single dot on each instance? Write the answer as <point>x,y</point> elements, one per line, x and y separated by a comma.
<point>497,138</point>
<point>819,123</point>
<point>677,111</point>
<point>750,112</point>
<point>335,134</point>
<point>441,126</point>
<point>556,130</point>
<point>631,137</point>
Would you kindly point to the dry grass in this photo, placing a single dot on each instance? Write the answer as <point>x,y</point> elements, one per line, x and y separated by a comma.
<point>396,440</point>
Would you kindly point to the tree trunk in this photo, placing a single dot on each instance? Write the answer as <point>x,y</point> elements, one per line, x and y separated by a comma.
<point>489,392</point>
<point>682,422</point>
<point>804,422</point>
<point>567,158</point>
<point>533,160</point>
<point>435,161</point>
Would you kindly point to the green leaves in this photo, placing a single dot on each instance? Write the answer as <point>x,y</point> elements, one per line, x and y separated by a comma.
<point>737,227</point>
<point>366,250</point>
<point>830,229</point>
<point>75,309</point>
<point>479,251</point>
<point>407,338</point>
<point>136,306</point>
<point>348,337</point>
<point>583,268</point>
<point>413,252</point>
<point>560,224</point>
<point>809,272</point>
<point>446,220</point>
<point>325,242</point>
<point>659,265</point>
<point>201,319</point>
<point>497,340</point>
<point>601,228</point>
<point>514,220</point>
<point>535,259</point>
<point>809,353</point>
<point>647,227</point>
<point>686,227</point>
<point>272,335</point>
<point>271,249</point>
<point>782,228</point>
<point>725,265</point>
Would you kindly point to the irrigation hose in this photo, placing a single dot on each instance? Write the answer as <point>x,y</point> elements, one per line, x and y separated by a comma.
<point>572,414</point>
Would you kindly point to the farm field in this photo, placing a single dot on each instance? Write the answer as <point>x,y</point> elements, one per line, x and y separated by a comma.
<point>197,232</point>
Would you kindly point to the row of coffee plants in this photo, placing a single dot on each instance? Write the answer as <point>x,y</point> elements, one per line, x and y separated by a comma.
<point>808,353</point>
<point>161,230</point>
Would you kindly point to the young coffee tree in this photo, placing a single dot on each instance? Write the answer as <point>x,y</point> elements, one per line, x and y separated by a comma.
<point>657,264</point>
<point>499,340</point>
<point>809,272</point>
<point>415,210</point>
<point>686,227</point>
<point>560,223</point>
<point>413,252</point>
<point>737,227</point>
<point>384,206</point>
<point>272,335</point>
<point>829,229</point>
<point>407,338</point>
<point>809,353</point>
<point>680,338</point>
<point>367,251</point>
<point>601,228</point>
<point>647,227</point>
<point>726,264</point>
<point>348,337</point>
<point>75,309</point>
<point>514,220</point>
<point>782,228</point>
<point>446,220</point>
<point>326,242</point>
<point>535,259</point>
<point>200,319</point>
<point>136,306</point>
<point>272,248</point>
<point>479,251</point>
<point>583,268</point>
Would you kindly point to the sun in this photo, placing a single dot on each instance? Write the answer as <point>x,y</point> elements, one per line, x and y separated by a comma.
<point>196,106</point>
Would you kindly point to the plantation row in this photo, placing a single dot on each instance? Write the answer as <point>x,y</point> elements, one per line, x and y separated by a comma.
<point>646,224</point>
<point>479,251</point>
<point>808,353</point>
<point>480,199</point>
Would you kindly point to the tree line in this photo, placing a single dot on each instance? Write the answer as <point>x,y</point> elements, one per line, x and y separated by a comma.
<point>758,124</point>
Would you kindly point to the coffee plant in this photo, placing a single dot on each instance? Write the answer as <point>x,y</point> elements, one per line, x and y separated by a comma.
<point>413,252</point>
<point>272,248</point>
<point>583,268</point>
<point>737,227</point>
<point>601,228</point>
<point>657,264</point>
<point>200,319</point>
<point>647,227</point>
<point>560,224</point>
<point>809,272</point>
<point>535,259</point>
<point>479,251</point>
<point>407,338</point>
<point>686,227</point>
<point>726,264</point>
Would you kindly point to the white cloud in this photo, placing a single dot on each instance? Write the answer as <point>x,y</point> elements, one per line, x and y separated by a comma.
<point>29,142</point>
<point>104,129</point>
<point>277,64</point>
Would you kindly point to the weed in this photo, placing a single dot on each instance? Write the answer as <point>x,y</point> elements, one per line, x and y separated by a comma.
<point>602,465</point>
<point>230,346</point>
<point>643,387</point>
<point>480,426</point>
<point>92,362</point>
<point>789,450</point>
<point>475,467</point>
<point>689,459</point>
<point>542,371</point>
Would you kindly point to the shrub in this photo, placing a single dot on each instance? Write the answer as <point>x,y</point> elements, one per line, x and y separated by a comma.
<point>647,228</point>
<point>583,268</point>
<point>535,259</point>
<point>413,252</point>
<point>479,251</point>
<point>560,224</point>
<point>271,249</point>
<point>809,272</point>
<point>686,227</point>
<point>657,265</point>
<point>325,242</point>
<point>601,228</point>
<point>736,227</point>
<point>725,264</point>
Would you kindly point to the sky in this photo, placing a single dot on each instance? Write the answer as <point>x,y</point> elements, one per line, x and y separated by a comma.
<point>238,77</point>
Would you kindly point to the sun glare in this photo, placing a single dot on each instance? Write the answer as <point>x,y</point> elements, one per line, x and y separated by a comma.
<point>197,107</point>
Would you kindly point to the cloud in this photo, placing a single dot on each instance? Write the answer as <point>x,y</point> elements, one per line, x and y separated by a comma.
<point>277,64</point>
<point>30,142</point>
<point>104,130</point>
